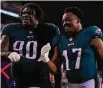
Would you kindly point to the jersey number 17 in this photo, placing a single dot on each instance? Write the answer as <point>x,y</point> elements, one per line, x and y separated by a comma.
<point>77,64</point>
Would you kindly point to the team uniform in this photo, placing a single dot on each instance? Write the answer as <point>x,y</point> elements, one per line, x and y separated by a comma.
<point>28,72</point>
<point>79,56</point>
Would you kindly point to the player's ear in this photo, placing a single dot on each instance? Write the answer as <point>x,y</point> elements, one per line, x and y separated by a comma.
<point>78,21</point>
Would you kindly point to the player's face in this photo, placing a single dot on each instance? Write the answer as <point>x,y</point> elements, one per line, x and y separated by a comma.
<point>70,22</point>
<point>28,17</point>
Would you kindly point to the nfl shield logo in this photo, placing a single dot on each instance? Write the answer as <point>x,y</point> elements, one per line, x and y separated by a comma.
<point>70,39</point>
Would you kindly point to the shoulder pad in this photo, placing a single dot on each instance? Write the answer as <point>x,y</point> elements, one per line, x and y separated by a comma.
<point>11,24</point>
<point>95,31</point>
<point>50,24</point>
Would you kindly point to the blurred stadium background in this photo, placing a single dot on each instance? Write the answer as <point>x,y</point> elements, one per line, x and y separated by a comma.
<point>53,10</point>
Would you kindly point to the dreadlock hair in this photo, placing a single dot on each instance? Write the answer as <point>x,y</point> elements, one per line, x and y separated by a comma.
<point>38,10</point>
<point>76,11</point>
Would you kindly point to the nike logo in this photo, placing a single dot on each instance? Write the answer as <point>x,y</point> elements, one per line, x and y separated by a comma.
<point>70,44</point>
<point>30,36</point>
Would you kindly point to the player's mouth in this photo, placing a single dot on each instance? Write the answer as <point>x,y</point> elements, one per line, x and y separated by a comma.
<point>67,27</point>
<point>26,21</point>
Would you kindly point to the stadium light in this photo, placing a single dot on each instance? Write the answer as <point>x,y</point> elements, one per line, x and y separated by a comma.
<point>9,13</point>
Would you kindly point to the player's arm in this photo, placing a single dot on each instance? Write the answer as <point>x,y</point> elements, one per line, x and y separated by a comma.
<point>56,58</point>
<point>4,42</point>
<point>4,45</point>
<point>52,64</point>
<point>97,43</point>
<point>45,57</point>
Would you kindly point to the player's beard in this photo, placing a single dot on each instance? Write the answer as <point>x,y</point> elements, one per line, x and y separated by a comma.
<point>67,30</point>
<point>70,33</point>
<point>67,27</point>
<point>28,24</point>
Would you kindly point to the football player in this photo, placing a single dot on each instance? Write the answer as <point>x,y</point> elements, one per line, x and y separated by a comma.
<point>77,47</point>
<point>21,43</point>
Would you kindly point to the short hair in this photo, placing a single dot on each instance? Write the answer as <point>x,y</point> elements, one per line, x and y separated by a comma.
<point>76,11</point>
<point>39,12</point>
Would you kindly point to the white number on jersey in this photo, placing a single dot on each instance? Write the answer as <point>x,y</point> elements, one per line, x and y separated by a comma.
<point>77,64</point>
<point>28,54</point>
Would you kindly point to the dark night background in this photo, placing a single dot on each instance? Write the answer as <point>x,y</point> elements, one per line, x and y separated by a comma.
<point>53,11</point>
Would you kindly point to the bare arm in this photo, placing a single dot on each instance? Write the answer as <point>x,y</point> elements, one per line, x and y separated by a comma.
<point>97,43</point>
<point>52,65</point>
<point>57,62</point>
<point>56,58</point>
<point>4,45</point>
<point>45,58</point>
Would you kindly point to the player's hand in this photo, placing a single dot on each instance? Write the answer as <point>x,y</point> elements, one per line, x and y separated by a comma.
<point>52,79</point>
<point>45,49</point>
<point>45,52</point>
<point>14,57</point>
<point>64,80</point>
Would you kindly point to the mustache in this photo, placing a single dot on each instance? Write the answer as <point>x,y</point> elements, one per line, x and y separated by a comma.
<point>25,18</point>
<point>67,25</point>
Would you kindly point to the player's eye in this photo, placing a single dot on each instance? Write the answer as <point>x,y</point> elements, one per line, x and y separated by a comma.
<point>27,12</point>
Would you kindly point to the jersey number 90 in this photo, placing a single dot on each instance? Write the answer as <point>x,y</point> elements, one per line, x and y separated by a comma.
<point>29,54</point>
